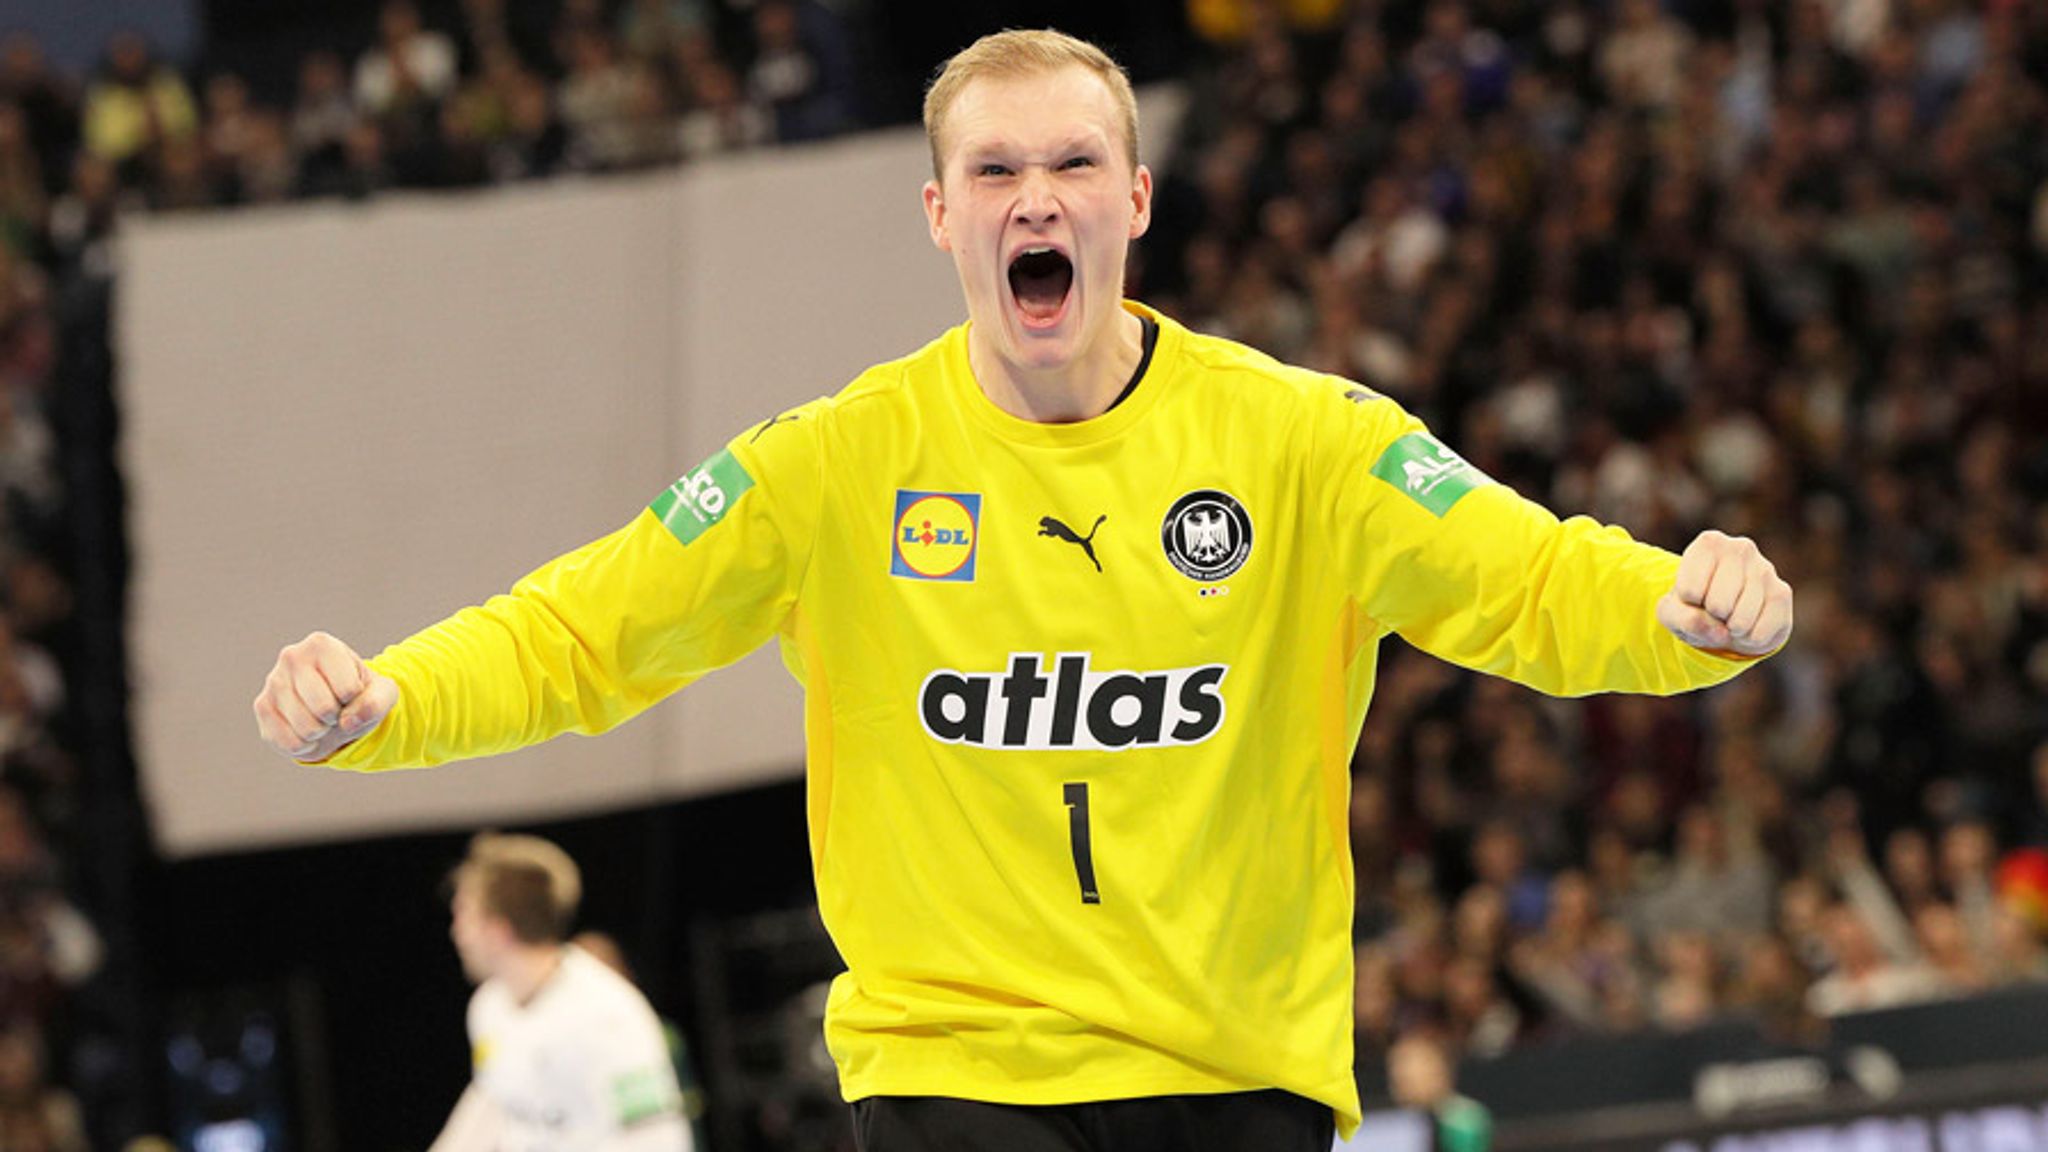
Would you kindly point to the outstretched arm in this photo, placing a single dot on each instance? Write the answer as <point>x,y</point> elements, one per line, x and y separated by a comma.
<point>696,581</point>
<point>1468,570</point>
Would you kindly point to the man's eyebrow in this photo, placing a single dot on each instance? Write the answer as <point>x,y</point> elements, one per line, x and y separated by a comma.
<point>1001,146</point>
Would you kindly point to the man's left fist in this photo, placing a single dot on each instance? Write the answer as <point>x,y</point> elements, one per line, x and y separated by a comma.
<point>1727,598</point>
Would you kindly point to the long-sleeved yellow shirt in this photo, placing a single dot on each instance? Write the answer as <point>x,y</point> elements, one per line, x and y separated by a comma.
<point>1080,699</point>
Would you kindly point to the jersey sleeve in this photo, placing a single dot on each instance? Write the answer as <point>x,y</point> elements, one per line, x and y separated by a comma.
<point>631,1082</point>
<point>1467,570</point>
<point>704,575</point>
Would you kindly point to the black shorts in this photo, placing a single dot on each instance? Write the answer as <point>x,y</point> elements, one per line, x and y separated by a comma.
<point>1270,1121</point>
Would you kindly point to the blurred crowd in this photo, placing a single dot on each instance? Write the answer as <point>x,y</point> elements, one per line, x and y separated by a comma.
<point>47,946</point>
<point>1767,267</point>
<point>1756,265</point>
<point>606,87</point>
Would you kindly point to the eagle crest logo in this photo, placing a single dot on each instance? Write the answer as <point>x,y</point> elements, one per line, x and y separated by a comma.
<point>1207,535</point>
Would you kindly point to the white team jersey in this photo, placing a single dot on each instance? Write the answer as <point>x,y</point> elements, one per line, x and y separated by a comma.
<point>583,1067</point>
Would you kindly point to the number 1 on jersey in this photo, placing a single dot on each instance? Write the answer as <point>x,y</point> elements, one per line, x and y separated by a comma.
<point>1084,856</point>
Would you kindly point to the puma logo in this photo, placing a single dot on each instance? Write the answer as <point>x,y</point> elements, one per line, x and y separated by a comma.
<point>1053,527</point>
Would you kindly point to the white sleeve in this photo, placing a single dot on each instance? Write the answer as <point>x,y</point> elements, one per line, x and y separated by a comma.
<point>472,1127</point>
<point>634,1083</point>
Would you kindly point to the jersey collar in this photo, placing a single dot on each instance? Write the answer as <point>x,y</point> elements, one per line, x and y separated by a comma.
<point>1150,386</point>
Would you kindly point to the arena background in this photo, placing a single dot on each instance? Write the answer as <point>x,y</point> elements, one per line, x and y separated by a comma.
<point>230,419</point>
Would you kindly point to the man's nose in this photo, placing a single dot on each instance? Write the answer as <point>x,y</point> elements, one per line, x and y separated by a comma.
<point>1036,203</point>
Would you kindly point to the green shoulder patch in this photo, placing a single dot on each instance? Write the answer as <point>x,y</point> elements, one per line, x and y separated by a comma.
<point>1428,473</point>
<point>700,499</point>
<point>643,1095</point>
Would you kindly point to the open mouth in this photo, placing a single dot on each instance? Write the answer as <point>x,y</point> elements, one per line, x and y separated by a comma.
<point>1040,279</point>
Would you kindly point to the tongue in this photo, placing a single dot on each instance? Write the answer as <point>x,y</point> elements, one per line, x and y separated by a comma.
<point>1041,293</point>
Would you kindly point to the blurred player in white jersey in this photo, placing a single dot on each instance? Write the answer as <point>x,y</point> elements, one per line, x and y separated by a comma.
<point>567,1054</point>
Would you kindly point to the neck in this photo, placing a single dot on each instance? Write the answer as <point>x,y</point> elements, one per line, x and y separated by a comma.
<point>526,970</point>
<point>1080,390</point>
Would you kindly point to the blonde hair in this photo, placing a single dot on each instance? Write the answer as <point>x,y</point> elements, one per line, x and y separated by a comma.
<point>1025,52</point>
<point>531,884</point>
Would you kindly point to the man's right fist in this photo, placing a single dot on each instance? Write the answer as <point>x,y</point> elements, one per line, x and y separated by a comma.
<point>319,696</point>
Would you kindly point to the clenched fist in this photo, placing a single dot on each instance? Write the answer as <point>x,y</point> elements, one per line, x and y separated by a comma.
<point>1727,597</point>
<point>319,696</point>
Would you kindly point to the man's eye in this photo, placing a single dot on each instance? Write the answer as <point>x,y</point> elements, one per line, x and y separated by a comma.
<point>1078,162</point>
<point>992,170</point>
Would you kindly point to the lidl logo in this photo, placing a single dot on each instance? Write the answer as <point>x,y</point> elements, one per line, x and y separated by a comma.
<point>938,535</point>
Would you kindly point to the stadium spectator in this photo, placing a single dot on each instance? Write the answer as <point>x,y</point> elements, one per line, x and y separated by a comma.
<point>82,220</point>
<point>265,172</point>
<point>48,104</point>
<point>183,180</point>
<point>1500,859</point>
<point>135,106</point>
<point>1643,59</point>
<point>226,125</point>
<point>23,197</point>
<point>1688,989</point>
<point>1909,869</point>
<point>1476,1010</point>
<point>612,107</point>
<point>534,144</point>
<point>799,69</point>
<point>322,117</point>
<point>1770,987</point>
<point>2019,953</point>
<point>1566,965</point>
<point>33,1114</point>
<point>1964,965</point>
<point>409,66</point>
<point>365,168</point>
<point>1865,974</point>
<point>459,157</point>
<point>721,117</point>
<point>1716,887</point>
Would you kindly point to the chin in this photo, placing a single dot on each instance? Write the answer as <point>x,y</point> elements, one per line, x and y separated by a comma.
<point>1033,350</point>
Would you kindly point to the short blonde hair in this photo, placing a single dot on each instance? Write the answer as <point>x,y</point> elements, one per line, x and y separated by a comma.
<point>1025,52</point>
<point>525,880</point>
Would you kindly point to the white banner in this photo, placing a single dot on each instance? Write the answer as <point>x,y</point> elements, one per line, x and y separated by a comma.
<point>358,418</point>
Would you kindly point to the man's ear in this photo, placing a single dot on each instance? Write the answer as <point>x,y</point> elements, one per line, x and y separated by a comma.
<point>1141,201</point>
<point>499,930</point>
<point>935,215</point>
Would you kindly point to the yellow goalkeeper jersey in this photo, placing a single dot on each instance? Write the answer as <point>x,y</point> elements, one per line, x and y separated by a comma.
<point>1080,699</point>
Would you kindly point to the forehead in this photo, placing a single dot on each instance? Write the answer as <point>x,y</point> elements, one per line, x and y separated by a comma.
<point>1036,109</point>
